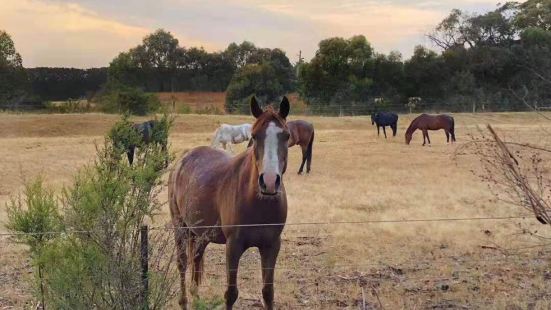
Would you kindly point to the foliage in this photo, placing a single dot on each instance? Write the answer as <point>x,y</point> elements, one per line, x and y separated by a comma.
<point>34,213</point>
<point>204,304</point>
<point>69,106</point>
<point>266,73</point>
<point>96,260</point>
<point>13,79</point>
<point>129,100</point>
<point>57,84</point>
<point>259,80</point>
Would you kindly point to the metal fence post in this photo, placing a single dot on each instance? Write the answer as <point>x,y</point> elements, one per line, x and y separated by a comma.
<point>145,266</point>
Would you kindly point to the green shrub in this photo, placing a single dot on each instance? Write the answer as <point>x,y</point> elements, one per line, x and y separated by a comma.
<point>184,109</point>
<point>129,100</point>
<point>68,106</point>
<point>95,257</point>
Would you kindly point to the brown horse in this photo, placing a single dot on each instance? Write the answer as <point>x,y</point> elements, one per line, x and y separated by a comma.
<point>302,133</point>
<point>427,122</point>
<point>239,201</point>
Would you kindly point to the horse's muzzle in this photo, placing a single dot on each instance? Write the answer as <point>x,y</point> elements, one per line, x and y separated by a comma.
<point>269,183</point>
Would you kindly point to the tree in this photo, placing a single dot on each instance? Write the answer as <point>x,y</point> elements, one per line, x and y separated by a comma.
<point>151,65</point>
<point>254,79</point>
<point>534,14</point>
<point>13,79</point>
<point>338,72</point>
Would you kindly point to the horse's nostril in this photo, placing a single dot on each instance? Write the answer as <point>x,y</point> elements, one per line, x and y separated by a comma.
<point>278,181</point>
<point>261,181</point>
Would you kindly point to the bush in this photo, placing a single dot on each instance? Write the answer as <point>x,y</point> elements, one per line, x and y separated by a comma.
<point>69,106</point>
<point>95,259</point>
<point>129,100</point>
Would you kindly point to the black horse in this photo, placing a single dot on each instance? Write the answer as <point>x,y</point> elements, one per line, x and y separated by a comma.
<point>383,119</point>
<point>149,132</point>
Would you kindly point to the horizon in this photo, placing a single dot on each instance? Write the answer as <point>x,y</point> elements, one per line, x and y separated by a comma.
<point>89,34</point>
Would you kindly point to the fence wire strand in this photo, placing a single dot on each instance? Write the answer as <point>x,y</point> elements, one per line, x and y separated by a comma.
<point>326,223</point>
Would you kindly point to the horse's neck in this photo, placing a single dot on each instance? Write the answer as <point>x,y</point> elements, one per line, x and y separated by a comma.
<point>243,170</point>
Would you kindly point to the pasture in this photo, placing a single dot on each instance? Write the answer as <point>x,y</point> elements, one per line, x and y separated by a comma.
<point>356,177</point>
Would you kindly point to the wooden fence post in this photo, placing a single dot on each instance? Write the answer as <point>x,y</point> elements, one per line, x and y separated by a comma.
<point>145,266</point>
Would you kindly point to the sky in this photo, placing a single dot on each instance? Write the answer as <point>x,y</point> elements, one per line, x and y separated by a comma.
<point>90,33</point>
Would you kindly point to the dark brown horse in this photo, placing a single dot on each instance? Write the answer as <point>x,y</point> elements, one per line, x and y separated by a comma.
<point>426,122</point>
<point>239,201</point>
<point>302,134</point>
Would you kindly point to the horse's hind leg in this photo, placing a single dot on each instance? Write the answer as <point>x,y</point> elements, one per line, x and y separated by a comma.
<point>180,236</point>
<point>428,139</point>
<point>384,131</point>
<point>268,256</point>
<point>196,249</point>
<point>378,129</point>
<point>447,136</point>
<point>304,153</point>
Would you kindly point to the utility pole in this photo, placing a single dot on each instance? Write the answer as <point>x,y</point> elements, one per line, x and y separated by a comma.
<point>300,62</point>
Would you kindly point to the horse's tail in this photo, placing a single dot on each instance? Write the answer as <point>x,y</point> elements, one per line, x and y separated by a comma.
<point>452,129</point>
<point>216,140</point>
<point>309,149</point>
<point>196,266</point>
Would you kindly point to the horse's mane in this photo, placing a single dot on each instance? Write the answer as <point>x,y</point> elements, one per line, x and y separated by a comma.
<point>413,125</point>
<point>269,115</point>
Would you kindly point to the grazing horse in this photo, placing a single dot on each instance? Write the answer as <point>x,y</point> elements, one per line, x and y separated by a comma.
<point>427,122</point>
<point>147,134</point>
<point>238,201</point>
<point>228,134</point>
<point>383,119</point>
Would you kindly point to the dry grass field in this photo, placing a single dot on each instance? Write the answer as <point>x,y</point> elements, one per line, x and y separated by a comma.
<point>356,176</point>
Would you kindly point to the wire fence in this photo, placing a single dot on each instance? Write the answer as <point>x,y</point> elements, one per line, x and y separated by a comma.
<point>314,279</point>
<point>323,223</point>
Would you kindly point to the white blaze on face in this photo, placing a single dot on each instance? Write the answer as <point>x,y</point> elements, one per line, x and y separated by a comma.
<point>271,143</point>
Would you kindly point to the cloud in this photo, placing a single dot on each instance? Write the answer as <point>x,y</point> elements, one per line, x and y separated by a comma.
<point>84,33</point>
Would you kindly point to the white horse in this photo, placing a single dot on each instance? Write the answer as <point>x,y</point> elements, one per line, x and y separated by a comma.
<point>231,134</point>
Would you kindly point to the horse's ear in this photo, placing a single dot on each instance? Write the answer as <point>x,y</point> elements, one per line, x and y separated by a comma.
<point>284,107</point>
<point>256,111</point>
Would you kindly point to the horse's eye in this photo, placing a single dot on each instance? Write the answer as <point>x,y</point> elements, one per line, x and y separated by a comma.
<point>286,135</point>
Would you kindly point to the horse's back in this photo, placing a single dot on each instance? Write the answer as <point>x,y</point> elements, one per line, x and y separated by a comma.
<point>434,122</point>
<point>192,186</point>
<point>387,118</point>
<point>301,131</point>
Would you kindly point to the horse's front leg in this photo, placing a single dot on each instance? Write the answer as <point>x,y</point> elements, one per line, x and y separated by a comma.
<point>378,130</point>
<point>234,250</point>
<point>384,131</point>
<point>268,256</point>
<point>130,154</point>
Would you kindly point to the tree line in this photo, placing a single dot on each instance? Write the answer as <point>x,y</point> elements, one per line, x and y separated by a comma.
<point>496,60</point>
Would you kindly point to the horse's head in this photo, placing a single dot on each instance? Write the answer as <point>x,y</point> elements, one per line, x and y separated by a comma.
<point>408,137</point>
<point>270,136</point>
<point>409,132</point>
